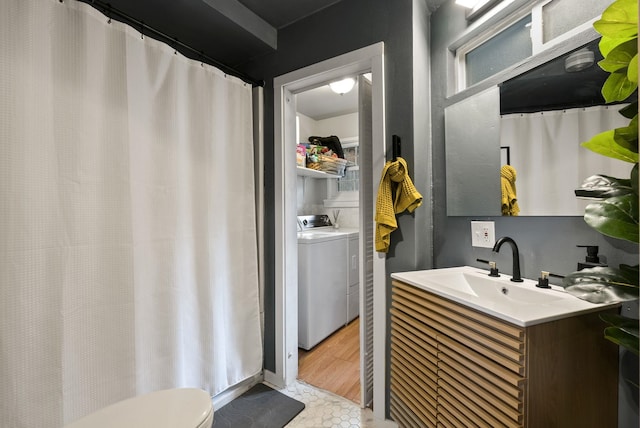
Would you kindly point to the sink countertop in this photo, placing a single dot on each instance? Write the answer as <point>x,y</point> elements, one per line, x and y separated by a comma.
<point>522,304</point>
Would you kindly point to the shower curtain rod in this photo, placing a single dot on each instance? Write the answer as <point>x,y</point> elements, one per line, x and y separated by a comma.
<point>111,12</point>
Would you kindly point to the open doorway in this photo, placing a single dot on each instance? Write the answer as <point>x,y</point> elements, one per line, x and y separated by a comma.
<point>328,279</point>
<point>368,59</point>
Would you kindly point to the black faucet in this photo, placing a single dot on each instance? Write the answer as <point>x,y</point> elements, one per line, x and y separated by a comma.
<point>516,256</point>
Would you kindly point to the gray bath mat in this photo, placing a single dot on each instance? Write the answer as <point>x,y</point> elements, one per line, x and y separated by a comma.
<point>259,407</point>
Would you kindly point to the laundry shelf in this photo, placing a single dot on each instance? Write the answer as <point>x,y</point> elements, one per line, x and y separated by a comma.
<point>308,172</point>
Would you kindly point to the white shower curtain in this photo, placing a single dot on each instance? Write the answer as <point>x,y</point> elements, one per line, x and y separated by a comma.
<point>128,259</point>
<point>549,161</point>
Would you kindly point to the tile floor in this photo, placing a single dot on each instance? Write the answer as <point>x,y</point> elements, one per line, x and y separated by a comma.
<point>325,409</point>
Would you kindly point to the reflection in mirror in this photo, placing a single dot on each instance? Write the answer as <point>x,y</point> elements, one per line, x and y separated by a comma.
<point>544,116</point>
<point>550,164</point>
<point>472,150</point>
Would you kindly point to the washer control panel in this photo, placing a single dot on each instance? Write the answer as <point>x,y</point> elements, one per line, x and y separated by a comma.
<point>307,222</point>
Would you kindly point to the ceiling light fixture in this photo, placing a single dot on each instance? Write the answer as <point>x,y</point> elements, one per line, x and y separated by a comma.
<point>579,60</point>
<point>342,86</point>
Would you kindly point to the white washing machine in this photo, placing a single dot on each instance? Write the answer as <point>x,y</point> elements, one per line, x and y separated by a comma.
<point>322,285</point>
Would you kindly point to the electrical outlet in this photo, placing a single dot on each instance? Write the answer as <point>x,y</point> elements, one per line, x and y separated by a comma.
<point>483,234</point>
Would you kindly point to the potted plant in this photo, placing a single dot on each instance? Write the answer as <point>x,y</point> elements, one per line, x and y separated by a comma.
<point>615,211</point>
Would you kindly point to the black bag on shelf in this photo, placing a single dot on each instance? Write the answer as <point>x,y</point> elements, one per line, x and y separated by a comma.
<point>332,142</point>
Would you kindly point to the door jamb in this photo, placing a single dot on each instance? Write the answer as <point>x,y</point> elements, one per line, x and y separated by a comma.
<point>367,59</point>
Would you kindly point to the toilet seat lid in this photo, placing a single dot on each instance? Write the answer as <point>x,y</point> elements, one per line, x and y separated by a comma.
<point>175,408</point>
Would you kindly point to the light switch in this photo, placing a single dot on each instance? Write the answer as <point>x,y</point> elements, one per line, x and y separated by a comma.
<point>483,234</point>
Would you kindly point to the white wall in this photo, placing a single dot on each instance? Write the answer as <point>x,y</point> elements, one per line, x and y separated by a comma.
<point>306,128</point>
<point>345,126</point>
<point>311,195</point>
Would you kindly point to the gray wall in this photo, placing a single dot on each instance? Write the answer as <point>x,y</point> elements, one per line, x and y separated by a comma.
<point>545,243</point>
<point>338,29</point>
<point>415,112</point>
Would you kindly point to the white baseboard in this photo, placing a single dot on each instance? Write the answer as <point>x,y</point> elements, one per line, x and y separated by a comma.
<point>236,391</point>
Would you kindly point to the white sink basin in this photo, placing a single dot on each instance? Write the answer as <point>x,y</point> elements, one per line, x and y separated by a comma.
<point>521,303</point>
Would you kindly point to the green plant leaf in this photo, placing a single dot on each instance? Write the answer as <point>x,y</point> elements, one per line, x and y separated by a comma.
<point>618,87</point>
<point>620,56</point>
<point>616,217</point>
<point>630,273</point>
<point>630,111</point>
<point>600,285</point>
<point>627,137</point>
<point>632,71</point>
<point>603,187</point>
<point>616,320</point>
<point>623,337</point>
<point>620,19</point>
<point>607,44</point>
<point>623,331</point>
<point>606,145</point>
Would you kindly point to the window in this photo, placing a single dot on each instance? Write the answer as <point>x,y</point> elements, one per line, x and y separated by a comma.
<point>561,16</point>
<point>506,48</point>
<point>500,42</point>
<point>350,182</point>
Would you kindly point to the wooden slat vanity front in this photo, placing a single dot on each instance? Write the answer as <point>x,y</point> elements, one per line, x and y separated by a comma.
<point>453,366</point>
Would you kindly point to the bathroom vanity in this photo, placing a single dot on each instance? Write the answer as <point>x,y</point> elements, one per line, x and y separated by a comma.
<point>469,351</point>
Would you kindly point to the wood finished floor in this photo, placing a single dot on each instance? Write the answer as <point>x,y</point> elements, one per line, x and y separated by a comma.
<point>334,364</point>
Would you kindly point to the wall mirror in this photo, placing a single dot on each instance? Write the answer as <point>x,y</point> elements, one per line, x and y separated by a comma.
<point>534,122</point>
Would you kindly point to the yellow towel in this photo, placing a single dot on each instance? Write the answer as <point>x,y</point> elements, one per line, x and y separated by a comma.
<point>508,185</point>
<point>395,178</point>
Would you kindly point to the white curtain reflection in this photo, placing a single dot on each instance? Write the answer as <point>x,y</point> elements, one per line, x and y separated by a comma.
<point>550,163</point>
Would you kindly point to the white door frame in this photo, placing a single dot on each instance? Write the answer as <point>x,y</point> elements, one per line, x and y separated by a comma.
<point>368,59</point>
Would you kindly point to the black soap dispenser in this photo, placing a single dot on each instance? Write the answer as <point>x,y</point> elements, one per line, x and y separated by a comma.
<point>592,259</point>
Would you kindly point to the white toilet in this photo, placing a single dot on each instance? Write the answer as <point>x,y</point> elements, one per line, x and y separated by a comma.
<point>169,408</point>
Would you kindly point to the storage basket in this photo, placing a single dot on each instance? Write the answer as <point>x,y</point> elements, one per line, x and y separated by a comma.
<point>332,165</point>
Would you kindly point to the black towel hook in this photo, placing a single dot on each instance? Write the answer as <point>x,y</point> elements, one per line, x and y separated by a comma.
<point>395,147</point>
